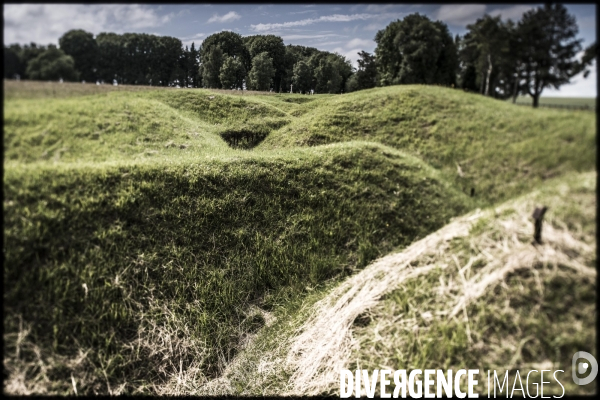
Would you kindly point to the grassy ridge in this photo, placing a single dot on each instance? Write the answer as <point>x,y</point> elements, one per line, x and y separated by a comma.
<point>502,150</point>
<point>190,247</point>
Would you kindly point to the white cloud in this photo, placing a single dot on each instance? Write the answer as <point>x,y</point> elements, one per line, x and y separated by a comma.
<point>352,54</point>
<point>302,12</point>
<point>579,86</point>
<point>356,42</point>
<point>229,17</point>
<point>330,43</point>
<point>310,21</point>
<point>515,12</point>
<point>460,14</point>
<point>196,39</point>
<point>374,27</point>
<point>46,23</point>
<point>300,37</point>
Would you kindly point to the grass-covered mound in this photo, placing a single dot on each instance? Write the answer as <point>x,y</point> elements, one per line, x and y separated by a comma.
<point>497,148</point>
<point>149,266</point>
<point>475,294</point>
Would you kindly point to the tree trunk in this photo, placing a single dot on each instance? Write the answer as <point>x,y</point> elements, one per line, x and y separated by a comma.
<point>536,99</point>
<point>489,73</point>
<point>481,87</point>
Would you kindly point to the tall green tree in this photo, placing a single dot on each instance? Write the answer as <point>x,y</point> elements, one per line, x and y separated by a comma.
<point>26,53</point>
<point>415,50</point>
<point>111,50</point>
<point>193,66</point>
<point>82,46</point>
<point>232,73</point>
<point>52,64</point>
<point>549,48</point>
<point>328,78</point>
<point>12,63</point>
<point>230,43</point>
<point>274,47</point>
<point>261,75</point>
<point>302,78</point>
<point>366,75</point>
<point>211,67</point>
<point>488,39</point>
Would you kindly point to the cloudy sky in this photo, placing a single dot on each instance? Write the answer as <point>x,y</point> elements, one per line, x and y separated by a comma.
<point>343,28</point>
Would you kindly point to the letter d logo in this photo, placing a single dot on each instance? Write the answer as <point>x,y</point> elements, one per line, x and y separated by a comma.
<point>583,366</point>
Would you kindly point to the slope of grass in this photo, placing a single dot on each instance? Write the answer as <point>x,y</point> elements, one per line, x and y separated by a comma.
<point>99,257</point>
<point>535,316</point>
<point>480,304</point>
<point>501,150</point>
<point>140,246</point>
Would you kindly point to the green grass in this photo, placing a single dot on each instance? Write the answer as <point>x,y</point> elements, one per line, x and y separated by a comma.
<point>135,233</point>
<point>202,241</point>
<point>502,151</point>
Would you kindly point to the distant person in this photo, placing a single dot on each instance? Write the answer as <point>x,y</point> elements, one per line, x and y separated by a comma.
<point>312,91</point>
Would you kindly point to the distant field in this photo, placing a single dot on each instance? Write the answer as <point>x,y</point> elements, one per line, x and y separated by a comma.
<point>567,101</point>
<point>149,232</point>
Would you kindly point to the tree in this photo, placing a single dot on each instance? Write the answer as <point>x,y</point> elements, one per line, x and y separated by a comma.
<point>111,62</point>
<point>549,48</point>
<point>230,43</point>
<point>82,46</point>
<point>262,72</point>
<point>415,50</point>
<point>589,56</point>
<point>275,48</point>
<point>302,78</point>
<point>52,64</point>
<point>328,77</point>
<point>352,84</point>
<point>487,38</point>
<point>26,53</point>
<point>232,73</point>
<point>447,62</point>
<point>193,66</point>
<point>211,67</point>
<point>366,75</point>
<point>12,63</point>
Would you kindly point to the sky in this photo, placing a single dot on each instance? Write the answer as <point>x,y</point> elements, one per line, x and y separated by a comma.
<point>342,28</point>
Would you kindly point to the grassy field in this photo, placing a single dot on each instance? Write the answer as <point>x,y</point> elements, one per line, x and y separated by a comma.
<point>589,102</point>
<point>149,232</point>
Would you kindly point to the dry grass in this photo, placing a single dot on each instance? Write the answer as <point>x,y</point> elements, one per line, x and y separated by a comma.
<point>324,344</point>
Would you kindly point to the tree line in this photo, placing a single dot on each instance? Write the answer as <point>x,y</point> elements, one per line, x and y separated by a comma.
<point>496,58</point>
